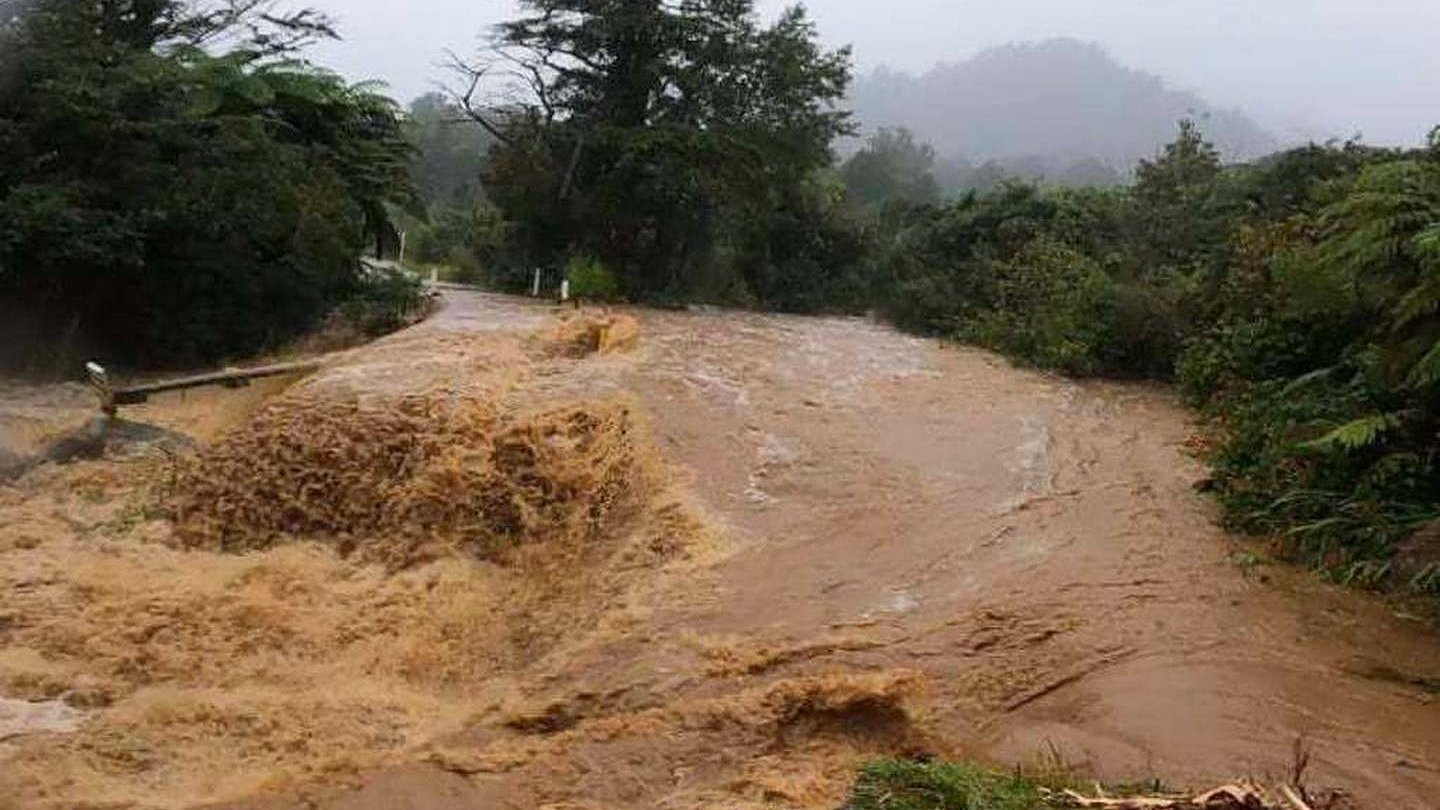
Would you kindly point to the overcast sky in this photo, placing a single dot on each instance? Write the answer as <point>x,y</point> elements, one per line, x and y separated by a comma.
<point>1309,67</point>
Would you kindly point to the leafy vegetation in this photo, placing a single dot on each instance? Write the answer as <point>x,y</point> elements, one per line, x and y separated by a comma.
<point>591,281</point>
<point>892,166</point>
<point>900,785</point>
<point>678,144</point>
<point>383,301</point>
<point>177,185</point>
<point>461,229</point>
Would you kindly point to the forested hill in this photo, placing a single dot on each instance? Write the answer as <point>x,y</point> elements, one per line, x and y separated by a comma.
<point>1060,99</point>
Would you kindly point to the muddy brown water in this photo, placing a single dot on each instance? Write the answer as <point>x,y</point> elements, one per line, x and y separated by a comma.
<point>1030,550</point>
<point>1032,544</point>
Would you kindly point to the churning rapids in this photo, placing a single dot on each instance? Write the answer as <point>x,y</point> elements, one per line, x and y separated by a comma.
<point>858,544</point>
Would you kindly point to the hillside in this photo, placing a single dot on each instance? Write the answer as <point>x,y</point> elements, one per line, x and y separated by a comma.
<point>1056,100</point>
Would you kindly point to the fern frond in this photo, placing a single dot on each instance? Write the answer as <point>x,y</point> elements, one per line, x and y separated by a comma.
<point>1427,243</point>
<point>1426,371</point>
<point>1359,433</point>
<point>1419,303</point>
<point>1306,380</point>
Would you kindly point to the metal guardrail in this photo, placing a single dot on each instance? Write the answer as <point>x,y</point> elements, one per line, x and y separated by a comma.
<point>111,397</point>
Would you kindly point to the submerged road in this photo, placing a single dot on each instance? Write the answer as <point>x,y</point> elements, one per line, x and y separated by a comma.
<point>868,545</point>
<point>1034,547</point>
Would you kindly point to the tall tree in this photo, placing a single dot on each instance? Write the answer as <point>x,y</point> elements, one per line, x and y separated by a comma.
<point>636,129</point>
<point>1178,207</point>
<point>892,166</point>
<point>450,150</point>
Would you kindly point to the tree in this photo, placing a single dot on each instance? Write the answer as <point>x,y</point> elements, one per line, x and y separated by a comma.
<point>450,150</point>
<point>1182,169</point>
<point>164,198</point>
<point>638,130</point>
<point>1178,214</point>
<point>892,166</point>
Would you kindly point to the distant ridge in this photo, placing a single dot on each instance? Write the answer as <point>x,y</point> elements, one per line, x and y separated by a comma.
<point>1057,99</point>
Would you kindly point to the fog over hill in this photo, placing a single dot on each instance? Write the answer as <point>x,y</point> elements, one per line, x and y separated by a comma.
<point>1057,102</point>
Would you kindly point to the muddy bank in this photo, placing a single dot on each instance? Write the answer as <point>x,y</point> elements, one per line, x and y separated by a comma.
<point>868,545</point>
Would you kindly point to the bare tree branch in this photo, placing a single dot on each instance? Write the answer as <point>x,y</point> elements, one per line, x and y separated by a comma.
<point>466,99</point>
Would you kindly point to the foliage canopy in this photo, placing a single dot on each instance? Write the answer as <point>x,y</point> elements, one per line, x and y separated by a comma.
<point>178,186</point>
<point>667,140</point>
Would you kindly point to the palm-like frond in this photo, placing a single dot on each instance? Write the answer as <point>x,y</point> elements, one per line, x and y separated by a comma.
<point>1359,433</point>
<point>1426,371</point>
<point>1386,233</point>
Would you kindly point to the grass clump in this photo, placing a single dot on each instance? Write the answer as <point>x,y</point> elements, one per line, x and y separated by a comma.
<point>909,785</point>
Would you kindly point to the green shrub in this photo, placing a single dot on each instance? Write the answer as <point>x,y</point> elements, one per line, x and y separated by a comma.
<point>892,785</point>
<point>384,300</point>
<point>1048,310</point>
<point>1045,301</point>
<point>1330,466</point>
<point>591,281</point>
<point>1226,362</point>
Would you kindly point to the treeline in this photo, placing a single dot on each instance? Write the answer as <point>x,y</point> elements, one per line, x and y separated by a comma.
<point>1059,110</point>
<point>459,229</point>
<point>177,185</point>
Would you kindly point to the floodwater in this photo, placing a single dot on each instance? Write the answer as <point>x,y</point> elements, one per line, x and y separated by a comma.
<point>916,548</point>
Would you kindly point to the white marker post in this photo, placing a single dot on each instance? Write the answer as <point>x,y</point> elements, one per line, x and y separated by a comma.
<point>565,291</point>
<point>535,287</point>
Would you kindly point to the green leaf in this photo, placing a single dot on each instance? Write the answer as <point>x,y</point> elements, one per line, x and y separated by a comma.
<point>1305,380</point>
<point>1359,433</point>
<point>1426,371</point>
<point>254,90</point>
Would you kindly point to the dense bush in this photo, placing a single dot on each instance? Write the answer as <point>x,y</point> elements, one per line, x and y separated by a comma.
<point>161,203</point>
<point>1322,373</point>
<point>591,281</point>
<point>384,300</point>
<point>1033,274</point>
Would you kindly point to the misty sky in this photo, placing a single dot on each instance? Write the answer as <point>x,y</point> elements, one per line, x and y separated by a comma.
<point>1312,68</point>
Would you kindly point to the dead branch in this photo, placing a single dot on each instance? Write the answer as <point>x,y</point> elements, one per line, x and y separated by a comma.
<point>1237,796</point>
<point>1293,796</point>
<point>466,99</point>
